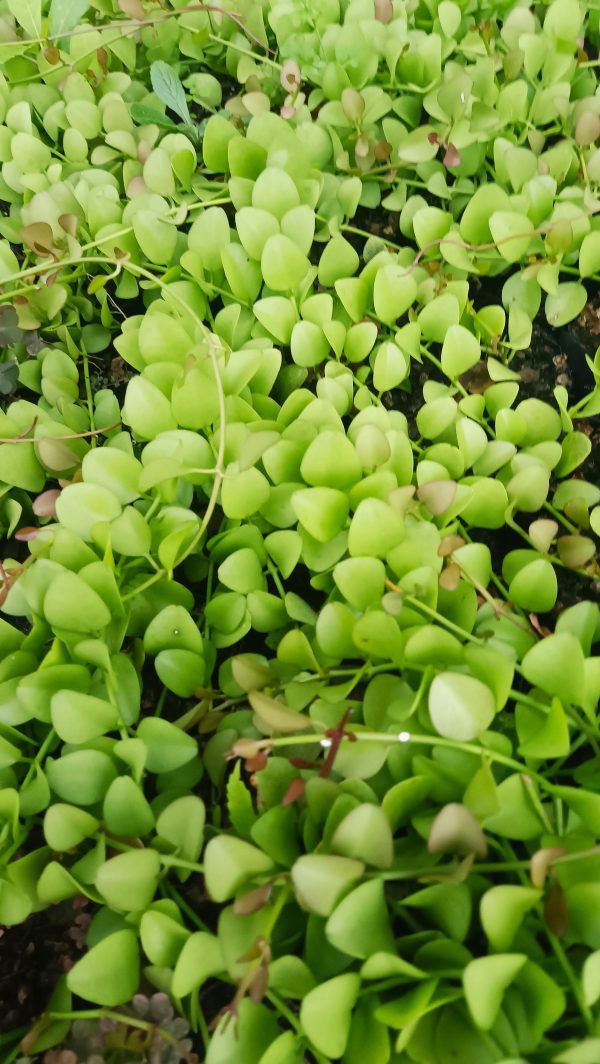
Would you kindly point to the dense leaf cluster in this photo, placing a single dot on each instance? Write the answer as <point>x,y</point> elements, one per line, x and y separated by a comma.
<point>324,764</point>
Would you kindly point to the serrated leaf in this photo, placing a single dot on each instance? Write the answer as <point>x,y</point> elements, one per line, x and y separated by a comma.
<point>147,116</point>
<point>169,89</point>
<point>239,804</point>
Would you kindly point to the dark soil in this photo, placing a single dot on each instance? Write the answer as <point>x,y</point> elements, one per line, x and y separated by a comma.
<point>33,956</point>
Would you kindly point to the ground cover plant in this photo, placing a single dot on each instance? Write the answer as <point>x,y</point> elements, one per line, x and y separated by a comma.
<point>299,626</point>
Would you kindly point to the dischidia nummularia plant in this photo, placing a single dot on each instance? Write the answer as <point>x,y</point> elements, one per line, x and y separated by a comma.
<point>299,664</point>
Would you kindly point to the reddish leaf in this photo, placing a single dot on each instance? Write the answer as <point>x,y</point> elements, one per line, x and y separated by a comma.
<point>69,223</point>
<point>449,578</point>
<point>295,790</point>
<point>384,11</point>
<point>450,544</point>
<point>38,236</point>
<point>45,504</point>
<point>259,985</point>
<point>556,913</point>
<point>133,9</point>
<point>24,535</point>
<point>253,901</point>
<point>451,157</point>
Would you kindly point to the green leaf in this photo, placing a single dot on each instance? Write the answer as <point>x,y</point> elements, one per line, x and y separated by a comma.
<point>566,304</point>
<point>231,862</point>
<point>81,777</point>
<point>485,981</point>
<point>502,910</point>
<point>169,89</point>
<point>200,959</point>
<point>365,834</point>
<point>128,881</point>
<point>326,1012</point>
<point>590,978</point>
<point>162,936</point>
<point>78,718</point>
<point>589,254</point>
<point>169,747</point>
<point>360,923</point>
<point>512,233</point>
<point>460,707</point>
<point>108,974</point>
<point>240,809</point>
<point>181,825</point>
<point>321,879</point>
<point>556,664</point>
<point>28,14</point>
<point>146,116</point>
<point>460,351</point>
<point>65,15</point>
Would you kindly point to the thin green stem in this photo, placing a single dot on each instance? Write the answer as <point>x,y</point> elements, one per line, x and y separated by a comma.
<point>573,981</point>
<point>413,738</point>
<point>564,521</point>
<point>245,51</point>
<point>144,587</point>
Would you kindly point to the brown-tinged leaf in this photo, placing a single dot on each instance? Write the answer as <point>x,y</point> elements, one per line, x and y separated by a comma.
<point>556,913</point>
<point>24,535</point>
<point>259,985</point>
<point>45,504</point>
<point>541,864</point>
<point>577,512</point>
<point>290,76</point>
<point>476,379</point>
<point>539,628</point>
<point>449,544</point>
<point>575,551</point>
<point>256,764</point>
<point>259,950</point>
<point>449,577</point>
<point>382,150</point>
<point>244,748</point>
<point>587,129</point>
<point>451,157</point>
<point>38,236</point>
<point>401,498</point>
<point>54,454</point>
<point>52,55</point>
<point>102,57</point>
<point>437,495</point>
<point>542,533</point>
<point>456,830</point>
<point>384,11</point>
<point>133,9</point>
<point>136,187</point>
<point>295,790</point>
<point>270,715</point>
<point>253,900</point>
<point>69,223</point>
